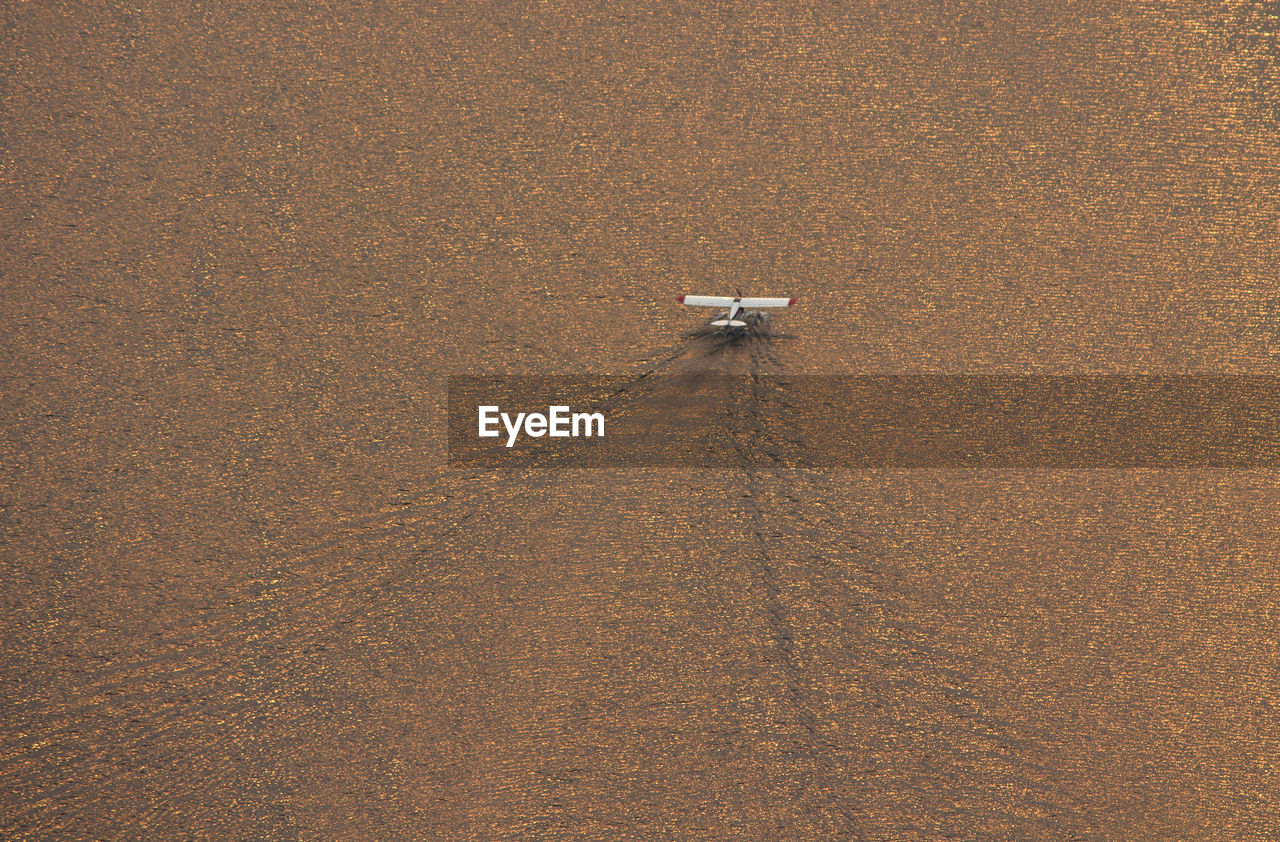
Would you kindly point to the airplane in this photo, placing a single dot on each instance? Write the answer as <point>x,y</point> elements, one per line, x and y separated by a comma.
<point>739,314</point>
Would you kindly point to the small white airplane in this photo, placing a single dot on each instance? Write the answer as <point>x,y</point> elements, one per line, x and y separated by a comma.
<point>738,313</point>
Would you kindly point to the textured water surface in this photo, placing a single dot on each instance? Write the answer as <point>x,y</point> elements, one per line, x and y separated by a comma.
<point>245,596</point>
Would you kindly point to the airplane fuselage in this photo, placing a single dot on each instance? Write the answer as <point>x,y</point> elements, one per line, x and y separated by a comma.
<point>736,320</point>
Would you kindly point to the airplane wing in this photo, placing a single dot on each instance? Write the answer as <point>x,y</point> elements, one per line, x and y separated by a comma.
<point>705,300</point>
<point>756,303</point>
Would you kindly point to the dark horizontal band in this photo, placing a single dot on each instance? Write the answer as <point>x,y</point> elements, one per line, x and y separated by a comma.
<point>1061,421</point>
